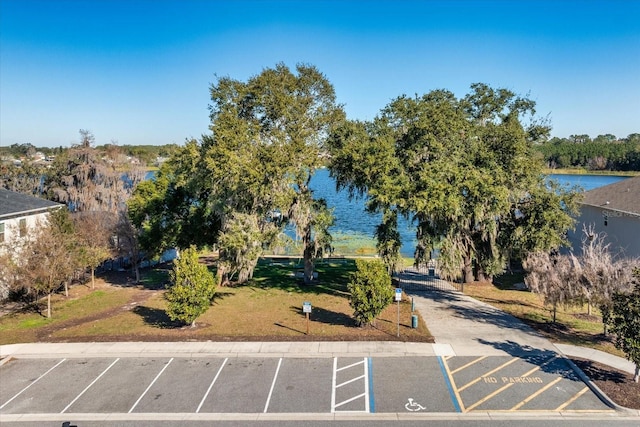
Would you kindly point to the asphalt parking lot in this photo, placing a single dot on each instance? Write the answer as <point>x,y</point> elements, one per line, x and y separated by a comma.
<point>293,385</point>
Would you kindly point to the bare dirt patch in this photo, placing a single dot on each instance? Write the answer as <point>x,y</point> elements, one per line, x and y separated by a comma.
<point>618,385</point>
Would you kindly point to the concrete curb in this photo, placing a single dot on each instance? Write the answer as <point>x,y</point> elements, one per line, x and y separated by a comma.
<point>596,390</point>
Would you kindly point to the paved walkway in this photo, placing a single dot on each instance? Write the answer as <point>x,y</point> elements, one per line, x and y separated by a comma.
<point>474,328</point>
<point>461,325</point>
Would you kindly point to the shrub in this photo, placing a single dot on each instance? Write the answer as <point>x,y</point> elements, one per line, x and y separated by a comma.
<point>191,289</point>
<point>624,323</point>
<point>371,290</point>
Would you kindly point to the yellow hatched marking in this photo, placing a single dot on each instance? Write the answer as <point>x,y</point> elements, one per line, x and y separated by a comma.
<point>534,395</point>
<point>573,399</point>
<point>484,399</point>
<point>500,390</point>
<point>453,385</point>
<point>487,374</point>
<point>468,364</point>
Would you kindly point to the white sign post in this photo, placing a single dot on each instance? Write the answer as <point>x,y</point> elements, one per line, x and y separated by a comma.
<point>398,297</point>
<point>306,309</point>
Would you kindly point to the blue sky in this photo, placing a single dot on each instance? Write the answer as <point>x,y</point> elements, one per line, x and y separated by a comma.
<point>138,72</point>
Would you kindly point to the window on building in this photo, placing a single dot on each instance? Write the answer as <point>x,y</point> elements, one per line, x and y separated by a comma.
<point>23,227</point>
<point>1,232</point>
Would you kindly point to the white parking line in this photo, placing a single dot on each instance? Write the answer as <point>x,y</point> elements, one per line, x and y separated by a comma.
<point>211,385</point>
<point>37,379</point>
<point>150,385</point>
<point>335,386</point>
<point>87,387</point>
<point>273,384</point>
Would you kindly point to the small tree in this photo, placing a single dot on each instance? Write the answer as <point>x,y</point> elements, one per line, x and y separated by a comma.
<point>370,289</point>
<point>49,257</point>
<point>94,230</point>
<point>602,275</point>
<point>624,323</point>
<point>555,278</point>
<point>127,242</point>
<point>191,290</point>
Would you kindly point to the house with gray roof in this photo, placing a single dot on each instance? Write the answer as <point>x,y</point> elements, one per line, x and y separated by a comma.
<point>614,211</point>
<point>20,213</point>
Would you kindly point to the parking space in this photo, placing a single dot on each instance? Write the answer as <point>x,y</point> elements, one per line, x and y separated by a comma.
<point>511,384</point>
<point>178,386</point>
<point>410,384</point>
<point>120,394</point>
<point>17,378</point>
<point>57,389</point>
<point>293,385</point>
<point>302,385</point>
<point>242,386</point>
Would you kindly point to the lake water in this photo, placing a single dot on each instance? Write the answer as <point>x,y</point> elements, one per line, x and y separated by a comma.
<point>354,228</point>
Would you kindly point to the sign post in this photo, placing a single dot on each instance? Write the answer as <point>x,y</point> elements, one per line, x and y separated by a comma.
<point>306,309</point>
<point>398,297</point>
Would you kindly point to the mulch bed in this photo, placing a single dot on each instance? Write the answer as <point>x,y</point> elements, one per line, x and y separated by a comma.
<point>617,385</point>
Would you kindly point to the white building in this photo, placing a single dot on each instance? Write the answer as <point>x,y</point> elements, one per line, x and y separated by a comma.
<point>613,210</point>
<point>20,213</point>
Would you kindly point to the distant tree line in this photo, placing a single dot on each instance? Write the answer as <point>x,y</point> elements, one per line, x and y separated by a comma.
<point>605,152</point>
<point>146,154</point>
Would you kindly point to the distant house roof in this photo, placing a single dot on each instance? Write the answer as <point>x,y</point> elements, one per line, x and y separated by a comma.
<point>623,196</point>
<point>14,204</point>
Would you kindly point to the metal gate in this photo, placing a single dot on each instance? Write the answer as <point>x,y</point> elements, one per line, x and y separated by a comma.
<point>424,278</point>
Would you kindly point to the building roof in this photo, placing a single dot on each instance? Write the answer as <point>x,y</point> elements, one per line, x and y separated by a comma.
<point>14,204</point>
<point>623,196</point>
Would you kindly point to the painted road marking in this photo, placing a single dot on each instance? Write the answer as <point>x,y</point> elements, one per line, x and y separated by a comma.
<point>536,394</point>
<point>573,399</point>
<point>36,380</point>
<point>473,362</point>
<point>273,384</point>
<point>469,384</point>
<point>543,394</point>
<point>364,378</point>
<point>87,387</point>
<point>371,407</point>
<point>150,385</point>
<point>211,385</point>
<point>412,406</point>
<point>453,391</point>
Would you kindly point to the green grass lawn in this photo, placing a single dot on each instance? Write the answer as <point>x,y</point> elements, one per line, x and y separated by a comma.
<point>267,308</point>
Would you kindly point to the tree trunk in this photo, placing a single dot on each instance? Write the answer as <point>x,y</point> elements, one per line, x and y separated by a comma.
<point>136,271</point>
<point>193,324</point>
<point>636,375</point>
<point>49,306</point>
<point>223,276</point>
<point>554,313</point>
<point>467,270</point>
<point>243,275</point>
<point>93,278</point>
<point>66,288</point>
<point>308,256</point>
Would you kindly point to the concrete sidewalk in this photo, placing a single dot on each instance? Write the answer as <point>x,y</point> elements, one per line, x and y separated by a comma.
<point>474,328</point>
<point>225,349</point>
<point>461,325</point>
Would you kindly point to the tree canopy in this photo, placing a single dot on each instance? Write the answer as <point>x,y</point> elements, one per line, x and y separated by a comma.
<point>464,170</point>
<point>267,137</point>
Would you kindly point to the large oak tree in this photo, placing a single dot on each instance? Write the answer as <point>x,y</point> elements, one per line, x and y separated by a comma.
<point>464,170</point>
